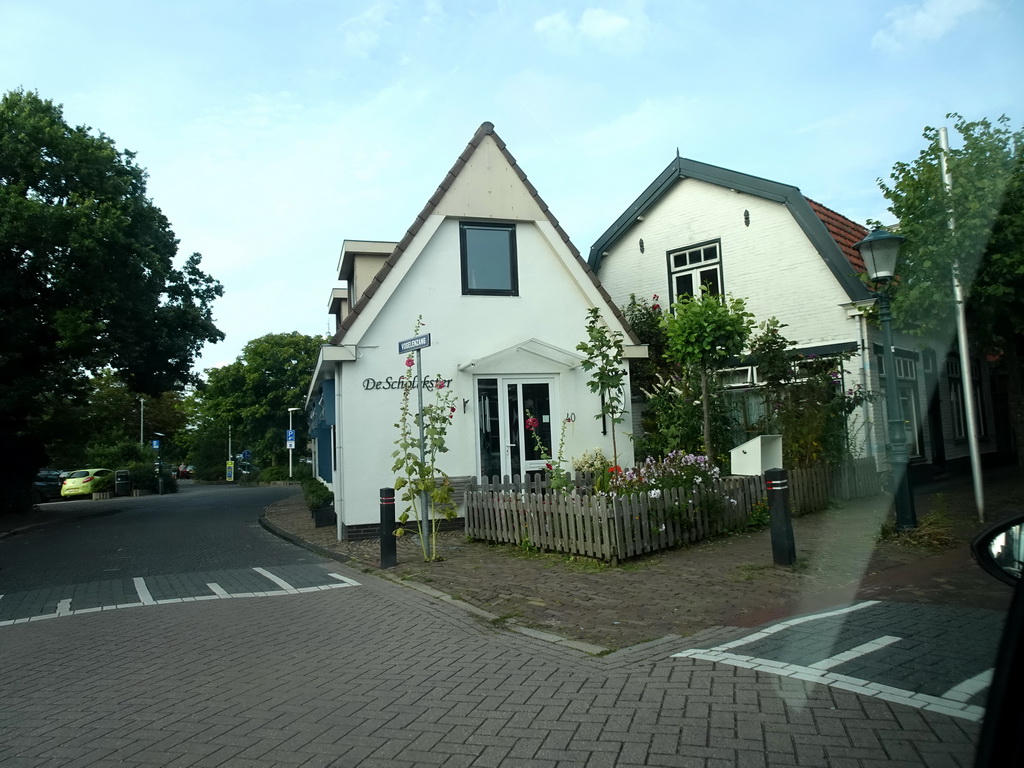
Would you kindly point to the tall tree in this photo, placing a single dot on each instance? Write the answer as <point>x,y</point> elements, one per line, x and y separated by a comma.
<point>986,205</point>
<point>89,280</point>
<point>253,394</point>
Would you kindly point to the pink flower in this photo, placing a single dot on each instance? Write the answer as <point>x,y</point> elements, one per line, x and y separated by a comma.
<point>409,362</point>
<point>532,423</point>
<point>548,465</point>
<point>439,384</point>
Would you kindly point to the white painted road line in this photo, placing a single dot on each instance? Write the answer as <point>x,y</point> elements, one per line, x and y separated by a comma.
<point>217,590</point>
<point>792,623</point>
<point>280,582</point>
<point>942,704</point>
<point>219,593</point>
<point>144,596</point>
<point>970,687</point>
<point>348,582</point>
<point>854,653</point>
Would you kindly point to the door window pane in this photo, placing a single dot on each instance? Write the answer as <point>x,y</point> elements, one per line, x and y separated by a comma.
<point>488,411</point>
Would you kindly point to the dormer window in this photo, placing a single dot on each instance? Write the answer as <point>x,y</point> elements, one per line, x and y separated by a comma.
<point>489,265</point>
<point>695,268</point>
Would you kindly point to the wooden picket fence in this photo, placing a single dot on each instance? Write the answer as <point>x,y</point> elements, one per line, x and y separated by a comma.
<point>612,528</point>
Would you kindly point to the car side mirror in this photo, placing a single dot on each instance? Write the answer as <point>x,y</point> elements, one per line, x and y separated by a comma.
<point>999,549</point>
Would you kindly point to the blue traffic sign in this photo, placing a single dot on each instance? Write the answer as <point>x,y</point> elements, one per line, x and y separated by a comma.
<point>246,455</point>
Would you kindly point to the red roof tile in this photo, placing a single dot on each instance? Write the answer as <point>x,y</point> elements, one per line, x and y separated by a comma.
<point>844,231</point>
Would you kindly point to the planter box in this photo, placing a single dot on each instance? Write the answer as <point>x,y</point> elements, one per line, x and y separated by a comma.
<point>101,495</point>
<point>324,516</point>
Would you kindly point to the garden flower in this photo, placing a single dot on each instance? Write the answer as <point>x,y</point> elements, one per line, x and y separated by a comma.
<point>654,493</point>
<point>532,423</point>
<point>409,362</point>
<point>439,384</point>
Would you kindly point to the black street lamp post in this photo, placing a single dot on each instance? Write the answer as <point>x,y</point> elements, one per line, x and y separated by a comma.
<point>880,250</point>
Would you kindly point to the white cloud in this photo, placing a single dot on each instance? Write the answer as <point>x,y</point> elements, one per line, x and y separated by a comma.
<point>913,25</point>
<point>596,25</point>
<point>556,26</point>
<point>600,24</point>
<point>363,32</point>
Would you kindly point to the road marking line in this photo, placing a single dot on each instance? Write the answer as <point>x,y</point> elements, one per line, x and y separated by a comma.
<point>970,687</point>
<point>843,682</point>
<point>854,653</point>
<point>219,593</point>
<point>217,590</point>
<point>347,581</point>
<point>280,582</point>
<point>792,623</point>
<point>143,590</point>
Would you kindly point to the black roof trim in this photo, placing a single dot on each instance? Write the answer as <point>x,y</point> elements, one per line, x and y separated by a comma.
<point>683,168</point>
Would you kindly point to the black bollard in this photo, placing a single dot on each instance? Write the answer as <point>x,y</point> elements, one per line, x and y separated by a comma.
<point>388,543</point>
<point>783,545</point>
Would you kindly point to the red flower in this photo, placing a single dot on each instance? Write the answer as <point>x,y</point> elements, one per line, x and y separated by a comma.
<point>615,469</point>
<point>440,384</point>
<point>548,465</point>
<point>453,409</point>
<point>656,306</point>
<point>532,423</point>
<point>409,363</point>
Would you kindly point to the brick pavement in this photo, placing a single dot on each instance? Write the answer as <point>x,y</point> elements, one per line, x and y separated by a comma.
<point>381,675</point>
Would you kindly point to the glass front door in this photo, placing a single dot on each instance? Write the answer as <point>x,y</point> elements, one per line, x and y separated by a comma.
<point>506,409</point>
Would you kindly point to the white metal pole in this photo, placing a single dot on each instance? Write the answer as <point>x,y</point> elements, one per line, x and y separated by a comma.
<point>966,374</point>
<point>290,450</point>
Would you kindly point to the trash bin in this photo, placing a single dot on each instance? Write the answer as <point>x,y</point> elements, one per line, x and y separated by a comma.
<point>122,482</point>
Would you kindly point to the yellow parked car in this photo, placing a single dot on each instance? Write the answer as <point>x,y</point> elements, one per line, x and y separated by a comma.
<point>82,482</point>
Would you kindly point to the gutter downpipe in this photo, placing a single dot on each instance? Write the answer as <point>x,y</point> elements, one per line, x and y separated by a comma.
<point>339,476</point>
<point>962,343</point>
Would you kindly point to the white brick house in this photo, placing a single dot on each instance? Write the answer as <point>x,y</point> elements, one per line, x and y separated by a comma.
<point>505,297</point>
<point>790,258</point>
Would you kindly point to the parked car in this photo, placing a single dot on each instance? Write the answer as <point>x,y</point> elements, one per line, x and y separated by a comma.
<point>47,485</point>
<point>82,482</point>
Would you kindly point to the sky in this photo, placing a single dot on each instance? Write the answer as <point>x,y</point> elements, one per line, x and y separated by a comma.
<point>273,130</point>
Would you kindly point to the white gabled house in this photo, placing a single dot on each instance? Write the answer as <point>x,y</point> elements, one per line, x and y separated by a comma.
<point>791,258</point>
<point>504,295</point>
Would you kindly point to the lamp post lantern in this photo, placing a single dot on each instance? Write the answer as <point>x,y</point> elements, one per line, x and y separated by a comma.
<point>291,440</point>
<point>880,250</point>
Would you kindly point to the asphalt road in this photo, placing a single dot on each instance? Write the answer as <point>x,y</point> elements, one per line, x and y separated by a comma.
<point>177,545</point>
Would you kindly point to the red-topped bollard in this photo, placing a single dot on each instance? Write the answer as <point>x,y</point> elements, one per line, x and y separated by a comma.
<point>783,544</point>
<point>388,542</point>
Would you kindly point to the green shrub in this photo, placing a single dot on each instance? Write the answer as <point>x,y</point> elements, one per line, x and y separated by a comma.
<point>144,478</point>
<point>316,493</point>
<point>273,474</point>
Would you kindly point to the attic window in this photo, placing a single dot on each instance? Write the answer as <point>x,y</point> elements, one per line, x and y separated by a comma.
<point>698,267</point>
<point>489,266</point>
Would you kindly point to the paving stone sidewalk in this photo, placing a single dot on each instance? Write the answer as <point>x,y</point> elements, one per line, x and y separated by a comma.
<point>718,585</point>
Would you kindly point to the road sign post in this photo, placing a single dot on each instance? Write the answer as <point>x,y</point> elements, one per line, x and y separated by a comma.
<point>416,344</point>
